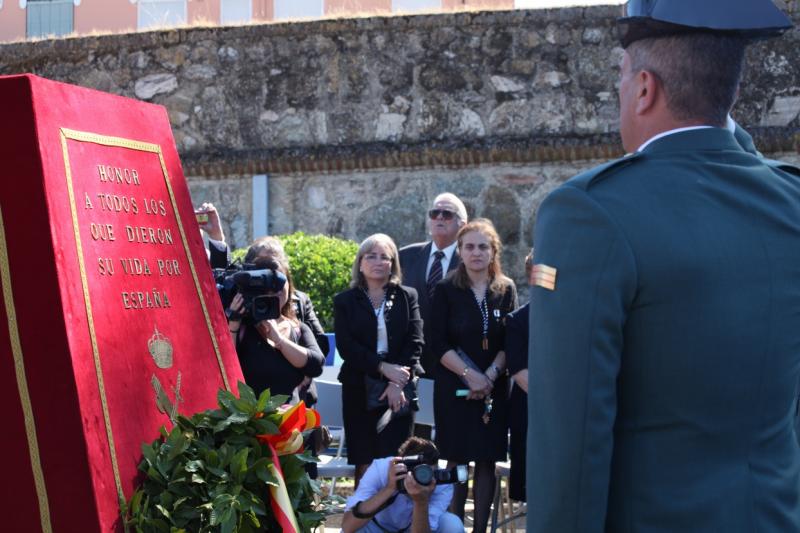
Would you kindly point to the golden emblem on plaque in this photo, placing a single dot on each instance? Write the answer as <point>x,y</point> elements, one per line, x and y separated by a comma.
<point>161,349</point>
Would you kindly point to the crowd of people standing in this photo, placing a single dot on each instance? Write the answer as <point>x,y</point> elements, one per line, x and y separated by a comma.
<point>432,310</point>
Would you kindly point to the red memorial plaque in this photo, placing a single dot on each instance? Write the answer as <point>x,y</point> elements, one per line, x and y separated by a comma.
<point>113,320</point>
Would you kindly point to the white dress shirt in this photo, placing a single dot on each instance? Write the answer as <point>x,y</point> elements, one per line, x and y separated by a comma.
<point>448,255</point>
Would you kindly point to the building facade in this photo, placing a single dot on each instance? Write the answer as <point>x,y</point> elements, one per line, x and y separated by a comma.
<point>32,19</point>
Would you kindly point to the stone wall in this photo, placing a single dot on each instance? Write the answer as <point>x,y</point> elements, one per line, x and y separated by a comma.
<point>359,123</point>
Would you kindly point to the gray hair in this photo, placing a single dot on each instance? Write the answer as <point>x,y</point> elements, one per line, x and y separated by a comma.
<point>700,72</point>
<point>461,210</point>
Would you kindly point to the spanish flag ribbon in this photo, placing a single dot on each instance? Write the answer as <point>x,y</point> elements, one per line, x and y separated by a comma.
<point>293,421</point>
<point>279,497</point>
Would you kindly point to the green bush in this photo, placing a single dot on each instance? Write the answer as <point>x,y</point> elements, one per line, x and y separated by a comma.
<point>321,267</point>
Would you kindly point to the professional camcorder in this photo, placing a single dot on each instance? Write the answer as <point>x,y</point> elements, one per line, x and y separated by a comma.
<point>254,283</point>
<point>425,473</point>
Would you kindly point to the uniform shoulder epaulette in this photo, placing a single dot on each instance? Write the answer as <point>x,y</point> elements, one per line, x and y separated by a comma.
<point>781,165</point>
<point>593,175</point>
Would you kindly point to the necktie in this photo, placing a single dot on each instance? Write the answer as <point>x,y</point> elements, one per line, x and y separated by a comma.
<point>435,275</point>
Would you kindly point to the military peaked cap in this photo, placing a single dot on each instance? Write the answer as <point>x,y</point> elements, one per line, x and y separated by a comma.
<point>751,19</point>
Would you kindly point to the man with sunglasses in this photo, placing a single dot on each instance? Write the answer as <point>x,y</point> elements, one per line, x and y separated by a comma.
<point>425,263</point>
<point>664,340</point>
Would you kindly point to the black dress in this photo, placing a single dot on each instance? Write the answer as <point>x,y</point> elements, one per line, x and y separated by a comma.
<point>517,358</point>
<point>356,339</point>
<point>264,367</point>
<point>456,322</point>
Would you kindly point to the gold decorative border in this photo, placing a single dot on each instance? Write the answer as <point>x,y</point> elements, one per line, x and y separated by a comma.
<point>119,142</point>
<point>22,384</point>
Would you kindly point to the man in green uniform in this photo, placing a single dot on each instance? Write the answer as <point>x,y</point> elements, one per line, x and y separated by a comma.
<point>665,313</point>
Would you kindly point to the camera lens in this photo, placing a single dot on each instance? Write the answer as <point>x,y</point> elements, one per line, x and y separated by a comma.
<point>423,474</point>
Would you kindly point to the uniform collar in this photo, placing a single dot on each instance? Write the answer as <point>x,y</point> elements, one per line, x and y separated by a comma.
<point>669,132</point>
<point>692,140</point>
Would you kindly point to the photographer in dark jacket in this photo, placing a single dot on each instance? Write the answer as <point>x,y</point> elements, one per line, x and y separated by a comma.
<point>378,334</point>
<point>278,354</point>
<point>219,258</point>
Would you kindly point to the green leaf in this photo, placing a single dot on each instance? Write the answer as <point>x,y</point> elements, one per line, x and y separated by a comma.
<point>233,418</point>
<point>229,520</point>
<point>239,463</point>
<point>263,400</point>
<point>246,393</point>
<point>225,398</point>
<point>264,426</point>
<point>194,466</point>
<point>163,511</point>
<point>179,443</point>
<point>245,407</point>
<point>276,401</point>
<point>149,452</point>
<point>136,501</point>
<point>252,519</point>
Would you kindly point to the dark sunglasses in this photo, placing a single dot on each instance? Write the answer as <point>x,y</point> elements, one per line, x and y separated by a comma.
<point>444,213</point>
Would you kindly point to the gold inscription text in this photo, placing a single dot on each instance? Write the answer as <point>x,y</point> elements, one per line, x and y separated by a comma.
<point>133,266</point>
<point>149,235</point>
<point>145,300</point>
<point>102,232</point>
<point>128,176</point>
<point>113,202</point>
<point>169,267</point>
<point>105,266</point>
<point>155,207</point>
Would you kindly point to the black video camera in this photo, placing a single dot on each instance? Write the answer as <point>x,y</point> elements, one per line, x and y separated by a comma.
<point>254,284</point>
<point>425,473</point>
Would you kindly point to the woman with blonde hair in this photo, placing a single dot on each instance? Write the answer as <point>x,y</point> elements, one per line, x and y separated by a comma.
<point>471,387</point>
<point>379,336</point>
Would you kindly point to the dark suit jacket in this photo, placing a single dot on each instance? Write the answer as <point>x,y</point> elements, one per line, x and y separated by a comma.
<point>357,331</point>
<point>305,314</point>
<point>218,258</point>
<point>414,263</point>
<point>664,365</point>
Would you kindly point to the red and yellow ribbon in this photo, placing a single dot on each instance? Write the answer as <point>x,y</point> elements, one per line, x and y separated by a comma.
<point>289,439</point>
<point>294,420</point>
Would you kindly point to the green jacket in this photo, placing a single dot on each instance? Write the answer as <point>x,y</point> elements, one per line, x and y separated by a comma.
<point>664,366</point>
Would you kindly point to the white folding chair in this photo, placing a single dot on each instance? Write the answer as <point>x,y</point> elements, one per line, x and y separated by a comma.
<point>329,406</point>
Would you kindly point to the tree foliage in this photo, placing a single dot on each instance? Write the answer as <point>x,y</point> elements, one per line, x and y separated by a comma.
<point>321,267</point>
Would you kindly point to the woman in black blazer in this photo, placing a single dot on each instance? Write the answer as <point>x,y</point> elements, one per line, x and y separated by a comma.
<point>378,333</point>
<point>470,394</point>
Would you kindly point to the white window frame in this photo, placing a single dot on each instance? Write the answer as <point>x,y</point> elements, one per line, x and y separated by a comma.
<point>142,2</point>
<point>222,12</point>
<point>279,7</point>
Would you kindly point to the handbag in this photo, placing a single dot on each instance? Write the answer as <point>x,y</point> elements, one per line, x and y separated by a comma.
<point>375,387</point>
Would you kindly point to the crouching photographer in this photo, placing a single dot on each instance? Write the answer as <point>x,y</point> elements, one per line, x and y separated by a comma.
<point>405,494</point>
<point>276,350</point>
